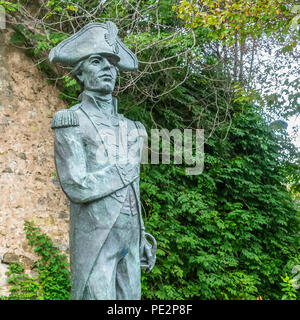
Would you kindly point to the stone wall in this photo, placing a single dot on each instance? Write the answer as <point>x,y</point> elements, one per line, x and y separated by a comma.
<point>28,187</point>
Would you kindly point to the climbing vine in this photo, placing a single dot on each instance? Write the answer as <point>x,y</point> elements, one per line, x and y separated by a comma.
<point>52,279</point>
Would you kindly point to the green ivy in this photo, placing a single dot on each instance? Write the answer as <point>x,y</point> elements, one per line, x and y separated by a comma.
<point>289,293</point>
<point>52,281</point>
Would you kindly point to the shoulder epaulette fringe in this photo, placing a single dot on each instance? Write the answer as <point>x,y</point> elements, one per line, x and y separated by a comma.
<point>64,118</point>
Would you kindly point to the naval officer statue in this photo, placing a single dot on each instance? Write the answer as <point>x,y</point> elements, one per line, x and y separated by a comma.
<point>97,157</point>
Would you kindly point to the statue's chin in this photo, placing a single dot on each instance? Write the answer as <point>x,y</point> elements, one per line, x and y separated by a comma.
<point>102,90</point>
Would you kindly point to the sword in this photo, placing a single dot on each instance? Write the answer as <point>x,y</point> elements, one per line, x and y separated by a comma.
<point>144,261</point>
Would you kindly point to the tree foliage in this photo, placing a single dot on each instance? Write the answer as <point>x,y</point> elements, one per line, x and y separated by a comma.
<point>239,19</point>
<point>260,41</point>
<point>228,233</point>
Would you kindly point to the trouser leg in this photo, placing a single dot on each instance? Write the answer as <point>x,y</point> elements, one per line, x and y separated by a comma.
<point>116,272</point>
<point>128,273</point>
<point>101,282</point>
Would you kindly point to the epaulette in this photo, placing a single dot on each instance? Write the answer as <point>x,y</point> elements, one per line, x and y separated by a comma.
<point>65,118</point>
<point>141,129</point>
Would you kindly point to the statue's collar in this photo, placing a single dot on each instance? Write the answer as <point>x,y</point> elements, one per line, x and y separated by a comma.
<point>88,100</point>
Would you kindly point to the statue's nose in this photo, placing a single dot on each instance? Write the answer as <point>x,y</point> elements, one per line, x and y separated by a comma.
<point>106,64</point>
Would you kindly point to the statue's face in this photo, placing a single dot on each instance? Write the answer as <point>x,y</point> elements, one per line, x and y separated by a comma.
<point>98,74</point>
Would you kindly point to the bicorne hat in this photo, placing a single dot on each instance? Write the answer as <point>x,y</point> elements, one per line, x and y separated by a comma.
<point>94,38</point>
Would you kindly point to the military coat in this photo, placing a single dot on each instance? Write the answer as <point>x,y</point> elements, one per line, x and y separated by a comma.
<point>95,185</point>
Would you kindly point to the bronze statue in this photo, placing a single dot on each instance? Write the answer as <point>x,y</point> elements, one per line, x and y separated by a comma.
<point>97,158</point>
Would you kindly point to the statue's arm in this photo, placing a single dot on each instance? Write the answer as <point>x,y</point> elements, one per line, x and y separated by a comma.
<point>70,160</point>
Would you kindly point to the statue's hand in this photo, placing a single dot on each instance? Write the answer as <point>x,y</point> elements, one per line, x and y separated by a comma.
<point>148,251</point>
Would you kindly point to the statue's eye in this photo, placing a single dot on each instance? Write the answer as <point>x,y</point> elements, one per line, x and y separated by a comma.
<point>96,61</point>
